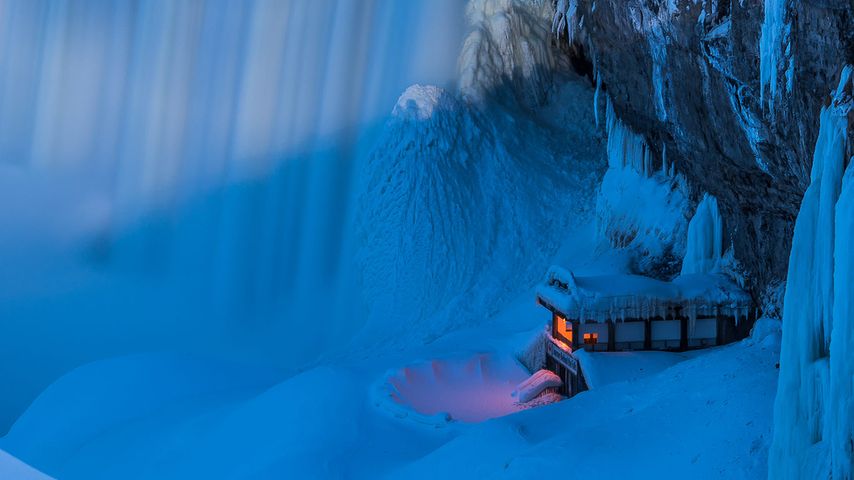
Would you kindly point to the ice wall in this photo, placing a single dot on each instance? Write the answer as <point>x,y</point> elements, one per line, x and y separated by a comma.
<point>812,414</point>
<point>705,238</point>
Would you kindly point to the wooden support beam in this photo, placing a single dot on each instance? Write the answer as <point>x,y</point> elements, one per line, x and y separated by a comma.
<point>576,334</point>
<point>720,329</point>
<point>683,333</point>
<point>647,334</point>
<point>612,340</point>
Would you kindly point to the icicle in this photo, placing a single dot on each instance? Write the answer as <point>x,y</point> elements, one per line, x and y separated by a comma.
<point>596,97</point>
<point>625,148</point>
<point>770,45</point>
<point>705,238</point>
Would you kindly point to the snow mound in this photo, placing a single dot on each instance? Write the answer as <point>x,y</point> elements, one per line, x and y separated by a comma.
<point>470,389</point>
<point>419,101</point>
<point>534,386</point>
<point>447,182</point>
<point>173,417</point>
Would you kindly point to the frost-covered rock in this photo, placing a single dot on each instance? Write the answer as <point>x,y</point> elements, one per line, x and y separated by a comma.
<point>684,74</point>
<point>508,44</point>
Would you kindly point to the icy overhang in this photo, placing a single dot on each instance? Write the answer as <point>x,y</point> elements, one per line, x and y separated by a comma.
<point>621,297</point>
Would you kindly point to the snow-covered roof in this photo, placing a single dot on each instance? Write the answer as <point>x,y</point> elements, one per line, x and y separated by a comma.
<point>616,297</point>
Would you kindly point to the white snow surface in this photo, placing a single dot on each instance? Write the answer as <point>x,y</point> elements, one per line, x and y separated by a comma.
<point>14,469</point>
<point>604,368</point>
<point>813,418</point>
<point>155,416</point>
<point>703,418</point>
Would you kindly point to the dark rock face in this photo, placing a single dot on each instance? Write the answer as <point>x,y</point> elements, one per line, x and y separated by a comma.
<point>686,75</point>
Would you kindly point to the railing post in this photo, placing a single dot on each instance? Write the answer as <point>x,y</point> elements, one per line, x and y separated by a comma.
<point>647,334</point>
<point>612,340</point>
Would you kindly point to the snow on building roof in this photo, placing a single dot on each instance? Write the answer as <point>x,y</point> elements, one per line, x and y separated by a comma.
<point>617,297</point>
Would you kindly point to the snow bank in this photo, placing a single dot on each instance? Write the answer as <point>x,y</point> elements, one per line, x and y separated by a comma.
<point>813,417</point>
<point>469,389</point>
<point>605,368</point>
<point>707,417</point>
<point>153,416</point>
<point>97,398</point>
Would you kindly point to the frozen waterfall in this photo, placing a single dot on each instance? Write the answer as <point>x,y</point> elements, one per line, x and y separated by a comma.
<point>183,171</point>
<point>812,414</point>
<point>705,238</point>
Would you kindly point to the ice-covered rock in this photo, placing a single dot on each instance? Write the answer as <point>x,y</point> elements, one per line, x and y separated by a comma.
<point>508,44</point>
<point>684,74</point>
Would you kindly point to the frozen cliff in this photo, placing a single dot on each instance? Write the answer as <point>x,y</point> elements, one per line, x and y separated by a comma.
<point>730,90</point>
